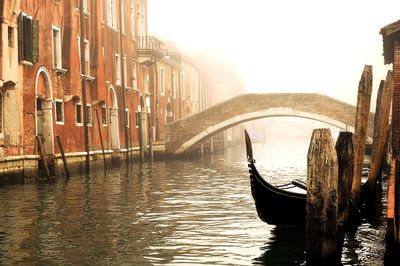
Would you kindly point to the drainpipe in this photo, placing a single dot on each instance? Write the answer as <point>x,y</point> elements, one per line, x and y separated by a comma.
<point>123,80</point>
<point>83,78</point>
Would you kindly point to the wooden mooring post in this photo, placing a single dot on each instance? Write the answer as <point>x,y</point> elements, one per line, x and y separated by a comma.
<point>360,129</point>
<point>322,200</point>
<point>43,156</point>
<point>101,139</point>
<point>345,154</point>
<point>381,126</point>
<point>63,157</point>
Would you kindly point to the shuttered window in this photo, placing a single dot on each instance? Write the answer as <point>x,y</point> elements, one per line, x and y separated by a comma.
<point>28,38</point>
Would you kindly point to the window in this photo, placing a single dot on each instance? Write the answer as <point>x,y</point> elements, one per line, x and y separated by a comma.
<point>181,86</point>
<point>85,6</point>
<point>88,118</point>
<point>117,69</point>
<point>87,57</point>
<point>112,13</point>
<point>104,115</point>
<point>127,117</point>
<point>59,112</point>
<point>124,69</point>
<point>123,16</point>
<point>132,19</point>
<point>86,63</point>
<point>173,85</point>
<point>28,39</point>
<point>56,48</point>
<point>137,119</point>
<point>134,76</point>
<point>162,85</point>
<point>78,113</point>
<point>10,36</point>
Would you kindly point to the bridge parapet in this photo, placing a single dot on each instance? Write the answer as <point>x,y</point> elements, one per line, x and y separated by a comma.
<point>183,134</point>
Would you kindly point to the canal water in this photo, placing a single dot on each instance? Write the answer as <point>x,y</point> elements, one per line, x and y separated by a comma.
<point>191,212</point>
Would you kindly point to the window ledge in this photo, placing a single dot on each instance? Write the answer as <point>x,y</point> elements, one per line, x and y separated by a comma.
<point>27,63</point>
<point>88,78</point>
<point>60,71</point>
<point>60,123</point>
<point>113,28</point>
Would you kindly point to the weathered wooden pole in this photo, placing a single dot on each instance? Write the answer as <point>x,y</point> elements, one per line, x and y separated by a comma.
<point>101,139</point>
<point>381,126</point>
<point>43,156</point>
<point>360,129</point>
<point>322,199</point>
<point>345,154</point>
<point>63,157</point>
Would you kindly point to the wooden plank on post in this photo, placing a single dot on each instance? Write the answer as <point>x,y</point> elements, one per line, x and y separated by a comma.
<point>381,126</point>
<point>345,154</point>
<point>322,199</point>
<point>101,138</point>
<point>63,157</point>
<point>361,129</point>
<point>43,156</point>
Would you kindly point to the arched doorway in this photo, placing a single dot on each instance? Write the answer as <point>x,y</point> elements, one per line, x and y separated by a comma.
<point>113,114</point>
<point>44,109</point>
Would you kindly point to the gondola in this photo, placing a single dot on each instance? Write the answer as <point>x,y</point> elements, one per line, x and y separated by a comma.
<point>282,204</point>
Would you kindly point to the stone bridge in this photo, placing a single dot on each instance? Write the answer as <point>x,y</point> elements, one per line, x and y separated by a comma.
<point>184,134</point>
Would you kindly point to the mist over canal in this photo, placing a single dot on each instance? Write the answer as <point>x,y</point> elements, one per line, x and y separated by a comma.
<point>180,212</point>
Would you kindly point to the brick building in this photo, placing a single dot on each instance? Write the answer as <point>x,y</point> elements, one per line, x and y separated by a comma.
<point>87,72</point>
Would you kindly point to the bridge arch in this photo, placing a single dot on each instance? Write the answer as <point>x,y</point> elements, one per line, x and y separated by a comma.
<point>182,135</point>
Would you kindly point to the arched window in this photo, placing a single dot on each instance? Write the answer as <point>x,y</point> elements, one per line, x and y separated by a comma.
<point>133,19</point>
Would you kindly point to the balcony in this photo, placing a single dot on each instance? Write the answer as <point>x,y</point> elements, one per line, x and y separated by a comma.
<point>149,48</point>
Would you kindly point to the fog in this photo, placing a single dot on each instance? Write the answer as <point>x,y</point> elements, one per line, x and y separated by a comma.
<point>285,45</point>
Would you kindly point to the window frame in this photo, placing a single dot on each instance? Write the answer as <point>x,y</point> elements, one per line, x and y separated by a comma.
<point>127,114</point>
<point>89,116</point>
<point>104,120</point>
<point>57,47</point>
<point>79,104</point>
<point>62,121</point>
<point>134,75</point>
<point>117,62</point>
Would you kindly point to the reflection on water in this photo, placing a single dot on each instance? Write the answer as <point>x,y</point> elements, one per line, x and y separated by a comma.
<point>175,212</point>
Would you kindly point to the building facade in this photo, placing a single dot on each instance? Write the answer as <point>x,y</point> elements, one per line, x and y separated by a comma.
<point>86,74</point>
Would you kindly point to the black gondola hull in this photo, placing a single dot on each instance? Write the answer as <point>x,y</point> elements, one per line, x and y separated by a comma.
<point>275,205</point>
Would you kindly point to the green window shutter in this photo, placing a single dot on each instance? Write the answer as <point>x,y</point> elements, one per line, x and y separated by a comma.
<point>27,39</point>
<point>20,37</point>
<point>35,41</point>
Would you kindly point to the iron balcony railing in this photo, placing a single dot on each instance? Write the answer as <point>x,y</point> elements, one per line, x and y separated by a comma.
<point>150,46</point>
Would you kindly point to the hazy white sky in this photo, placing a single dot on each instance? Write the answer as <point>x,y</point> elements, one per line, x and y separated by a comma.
<point>284,45</point>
